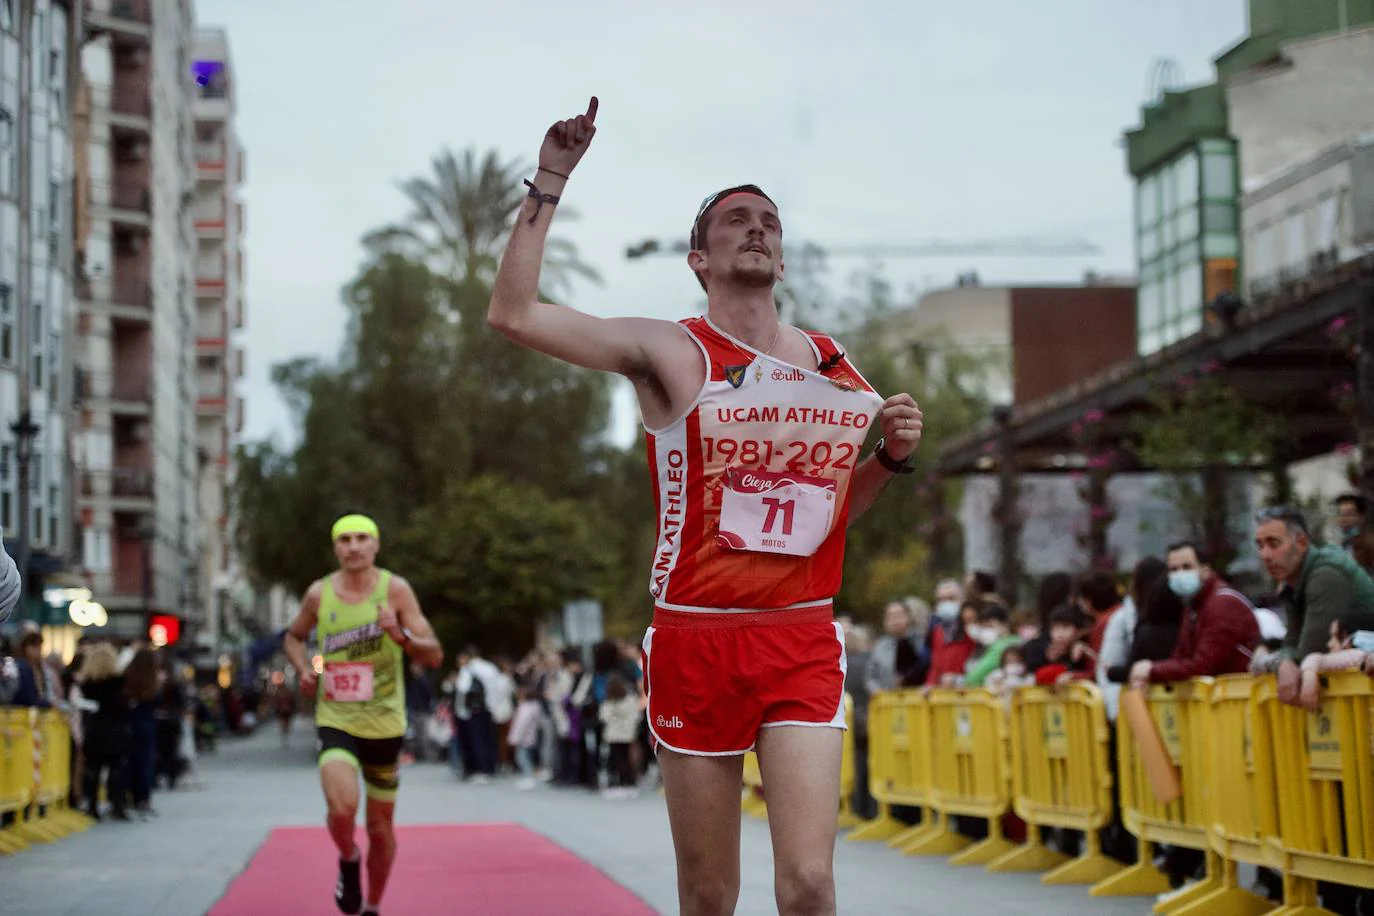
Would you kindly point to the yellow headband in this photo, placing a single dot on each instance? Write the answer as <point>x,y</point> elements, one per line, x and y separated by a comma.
<point>355,524</point>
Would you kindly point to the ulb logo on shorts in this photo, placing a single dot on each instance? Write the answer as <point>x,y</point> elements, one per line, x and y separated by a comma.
<point>674,722</point>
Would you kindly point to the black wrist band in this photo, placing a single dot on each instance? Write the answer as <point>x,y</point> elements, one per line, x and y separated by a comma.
<point>542,198</point>
<point>552,172</point>
<point>886,460</point>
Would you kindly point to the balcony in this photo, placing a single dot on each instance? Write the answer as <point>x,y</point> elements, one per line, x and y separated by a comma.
<point>128,397</point>
<point>212,407</point>
<point>131,204</point>
<point>126,489</point>
<point>126,21</point>
<point>131,110</point>
<point>210,283</point>
<point>131,397</point>
<point>125,301</point>
<point>210,162</point>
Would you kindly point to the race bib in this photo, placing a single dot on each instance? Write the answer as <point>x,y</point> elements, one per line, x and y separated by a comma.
<point>775,513</point>
<point>347,682</point>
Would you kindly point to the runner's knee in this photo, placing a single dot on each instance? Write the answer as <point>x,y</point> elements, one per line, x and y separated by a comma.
<point>380,830</point>
<point>805,888</point>
<point>707,894</point>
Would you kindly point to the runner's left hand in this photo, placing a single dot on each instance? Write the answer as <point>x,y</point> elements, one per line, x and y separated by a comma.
<point>388,621</point>
<point>901,421</point>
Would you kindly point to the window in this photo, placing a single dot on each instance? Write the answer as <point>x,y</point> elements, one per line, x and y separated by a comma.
<point>6,323</point>
<point>1294,241</point>
<point>5,452</point>
<point>1219,176</point>
<point>54,362</point>
<point>9,153</point>
<point>6,519</point>
<point>7,25</point>
<point>1186,178</point>
<point>38,324</point>
<point>1326,232</point>
<point>39,65</point>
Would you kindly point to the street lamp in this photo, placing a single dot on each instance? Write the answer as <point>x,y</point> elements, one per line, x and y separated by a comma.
<point>25,431</point>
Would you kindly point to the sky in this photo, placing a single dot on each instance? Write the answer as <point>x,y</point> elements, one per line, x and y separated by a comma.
<point>869,122</point>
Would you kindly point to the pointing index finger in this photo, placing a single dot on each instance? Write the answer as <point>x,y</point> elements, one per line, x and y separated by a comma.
<point>591,109</point>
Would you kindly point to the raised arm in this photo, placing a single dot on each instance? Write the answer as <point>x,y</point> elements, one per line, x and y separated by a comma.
<point>620,345</point>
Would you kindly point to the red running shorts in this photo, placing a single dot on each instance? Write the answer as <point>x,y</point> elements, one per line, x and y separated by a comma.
<point>714,679</point>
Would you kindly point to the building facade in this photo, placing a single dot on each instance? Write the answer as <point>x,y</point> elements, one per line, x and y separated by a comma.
<point>135,446</point>
<point>1184,158</point>
<point>36,316</point>
<point>218,216</point>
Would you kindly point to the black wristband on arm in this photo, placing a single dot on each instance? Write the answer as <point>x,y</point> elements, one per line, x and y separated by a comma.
<point>542,198</point>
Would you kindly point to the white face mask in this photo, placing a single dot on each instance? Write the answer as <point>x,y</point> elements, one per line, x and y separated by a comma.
<point>946,610</point>
<point>1015,669</point>
<point>984,636</point>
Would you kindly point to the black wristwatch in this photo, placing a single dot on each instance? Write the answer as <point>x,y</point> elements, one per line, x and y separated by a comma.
<point>886,461</point>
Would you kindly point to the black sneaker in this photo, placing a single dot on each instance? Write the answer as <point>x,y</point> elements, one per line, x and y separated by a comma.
<point>348,892</point>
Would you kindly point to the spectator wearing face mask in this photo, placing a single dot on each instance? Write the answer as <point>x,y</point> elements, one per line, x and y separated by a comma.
<point>1067,654</point>
<point>992,633</point>
<point>949,655</point>
<point>1219,630</point>
<point>899,658</point>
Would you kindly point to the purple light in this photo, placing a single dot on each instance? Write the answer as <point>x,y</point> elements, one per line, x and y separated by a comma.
<point>205,70</point>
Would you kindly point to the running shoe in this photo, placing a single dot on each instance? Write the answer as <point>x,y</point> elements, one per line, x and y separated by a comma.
<point>348,892</point>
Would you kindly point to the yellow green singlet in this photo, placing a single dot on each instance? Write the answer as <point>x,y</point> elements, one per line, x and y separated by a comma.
<point>350,633</point>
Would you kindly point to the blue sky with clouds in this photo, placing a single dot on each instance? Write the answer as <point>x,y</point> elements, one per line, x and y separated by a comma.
<point>867,121</point>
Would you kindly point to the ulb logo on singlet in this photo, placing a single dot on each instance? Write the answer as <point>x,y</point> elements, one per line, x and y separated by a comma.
<point>735,375</point>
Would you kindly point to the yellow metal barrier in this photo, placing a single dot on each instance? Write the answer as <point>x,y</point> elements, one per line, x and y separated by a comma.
<point>35,778</point>
<point>754,802</point>
<point>1061,777</point>
<point>970,772</point>
<point>1324,764</point>
<point>16,775</point>
<point>1182,713</point>
<point>899,761</point>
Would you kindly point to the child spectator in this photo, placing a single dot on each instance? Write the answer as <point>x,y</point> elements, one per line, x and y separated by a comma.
<point>1350,645</point>
<point>1067,655</point>
<point>1012,674</point>
<point>620,721</point>
<point>523,736</point>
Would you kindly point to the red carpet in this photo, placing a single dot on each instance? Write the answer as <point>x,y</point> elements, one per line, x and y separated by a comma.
<point>492,869</point>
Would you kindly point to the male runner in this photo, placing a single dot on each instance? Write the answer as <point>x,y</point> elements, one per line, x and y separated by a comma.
<point>365,620</point>
<point>754,435</point>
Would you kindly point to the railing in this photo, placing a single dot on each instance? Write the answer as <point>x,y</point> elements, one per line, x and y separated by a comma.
<point>132,100</point>
<point>131,389</point>
<point>131,482</point>
<point>130,195</point>
<point>210,154</point>
<point>132,10</point>
<point>132,292</point>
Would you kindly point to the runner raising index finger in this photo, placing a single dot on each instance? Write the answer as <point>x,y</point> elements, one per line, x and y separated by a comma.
<point>755,432</point>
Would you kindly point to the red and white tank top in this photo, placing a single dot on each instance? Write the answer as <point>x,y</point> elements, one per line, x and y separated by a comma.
<point>751,485</point>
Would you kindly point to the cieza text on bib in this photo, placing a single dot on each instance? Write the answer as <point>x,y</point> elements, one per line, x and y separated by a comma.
<point>769,512</point>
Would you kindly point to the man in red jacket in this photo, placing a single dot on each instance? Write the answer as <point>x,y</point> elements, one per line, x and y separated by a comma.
<point>1219,625</point>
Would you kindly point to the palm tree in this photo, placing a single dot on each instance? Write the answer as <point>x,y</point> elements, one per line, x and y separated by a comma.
<point>462,216</point>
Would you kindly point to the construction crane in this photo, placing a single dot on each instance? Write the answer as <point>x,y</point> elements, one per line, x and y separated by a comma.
<point>1004,248</point>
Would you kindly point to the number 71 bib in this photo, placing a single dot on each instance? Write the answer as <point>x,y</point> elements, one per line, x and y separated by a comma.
<point>775,512</point>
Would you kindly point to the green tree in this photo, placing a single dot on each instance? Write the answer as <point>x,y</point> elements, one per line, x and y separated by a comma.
<point>1199,433</point>
<point>462,214</point>
<point>491,558</point>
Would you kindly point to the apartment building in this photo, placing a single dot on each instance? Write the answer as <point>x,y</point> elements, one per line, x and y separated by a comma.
<point>218,216</point>
<point>36,40</point>
<point>135,443</point>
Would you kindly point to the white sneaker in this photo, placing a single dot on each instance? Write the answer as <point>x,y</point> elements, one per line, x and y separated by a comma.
<point>524,784</point>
